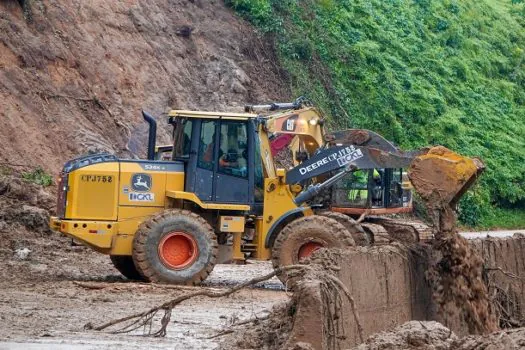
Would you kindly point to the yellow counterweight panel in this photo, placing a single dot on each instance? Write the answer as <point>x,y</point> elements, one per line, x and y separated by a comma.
<point>129,220</point>
<point>93,193</point>
<point>96,234</point>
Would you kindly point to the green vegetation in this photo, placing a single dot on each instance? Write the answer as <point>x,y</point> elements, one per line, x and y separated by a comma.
<point>420,72</point>
<point>39,177</point>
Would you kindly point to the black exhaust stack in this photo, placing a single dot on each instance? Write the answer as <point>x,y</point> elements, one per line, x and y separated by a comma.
<point>152,135</point>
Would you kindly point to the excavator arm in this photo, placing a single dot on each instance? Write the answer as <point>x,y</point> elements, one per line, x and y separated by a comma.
<point>439,175</point>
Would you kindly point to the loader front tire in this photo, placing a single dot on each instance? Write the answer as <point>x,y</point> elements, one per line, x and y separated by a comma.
<point>300,238</point>
<point>124,264</point>
<point>176,246</point>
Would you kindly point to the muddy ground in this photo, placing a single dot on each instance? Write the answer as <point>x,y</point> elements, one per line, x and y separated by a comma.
<point>41,306</point>
<point>41,302</point>
<point>50,289</point>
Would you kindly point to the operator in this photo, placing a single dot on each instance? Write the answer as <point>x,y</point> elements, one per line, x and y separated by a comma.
<point>359,185</point>
<point>229,159</point>
<point>234,162</point>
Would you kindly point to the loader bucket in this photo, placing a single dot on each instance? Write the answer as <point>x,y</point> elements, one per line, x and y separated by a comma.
<point>441,176</point>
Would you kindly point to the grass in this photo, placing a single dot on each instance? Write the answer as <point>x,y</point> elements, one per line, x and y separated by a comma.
<point>39,177</point>
<point>419,72</point>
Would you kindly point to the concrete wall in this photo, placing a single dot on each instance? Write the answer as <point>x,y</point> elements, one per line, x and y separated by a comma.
<point>389,288</point>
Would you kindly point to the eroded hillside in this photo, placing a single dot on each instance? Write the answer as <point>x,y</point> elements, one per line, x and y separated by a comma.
<point>74,75</point>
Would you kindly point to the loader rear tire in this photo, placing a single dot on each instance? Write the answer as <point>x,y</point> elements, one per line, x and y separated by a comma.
<point>301,237</point>
<point>356,230</point>
<point>124,264</point>
<point>176,246</point>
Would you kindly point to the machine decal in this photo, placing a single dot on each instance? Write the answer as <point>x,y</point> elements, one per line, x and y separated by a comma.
<point>97,178</point>
<point>158,165</point>
<point>141,182</point>
<point>141,197</point>
<point>355,153</point>
<point>325,161</point>
<point>343,157</point>
<point>290,123</point>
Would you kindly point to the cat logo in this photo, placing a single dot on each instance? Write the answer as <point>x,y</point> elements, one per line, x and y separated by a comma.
<point>141,182</point>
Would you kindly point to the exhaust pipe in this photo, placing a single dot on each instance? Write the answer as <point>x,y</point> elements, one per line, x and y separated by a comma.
<point>152,135</point>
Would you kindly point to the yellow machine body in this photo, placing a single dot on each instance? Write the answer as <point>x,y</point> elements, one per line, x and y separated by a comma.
<point>106,202</point>
<point>103,200</point>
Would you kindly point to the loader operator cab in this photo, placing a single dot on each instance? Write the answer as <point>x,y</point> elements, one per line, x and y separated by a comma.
<point>221,157</point>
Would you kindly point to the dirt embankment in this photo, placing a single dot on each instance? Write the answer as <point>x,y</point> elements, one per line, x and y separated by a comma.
<point>74,75</point>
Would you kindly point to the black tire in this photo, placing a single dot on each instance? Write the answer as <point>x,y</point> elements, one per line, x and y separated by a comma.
<point>318,229</point>
<point>155,230</point>
<point>359,235</point>
<point>124,264</point>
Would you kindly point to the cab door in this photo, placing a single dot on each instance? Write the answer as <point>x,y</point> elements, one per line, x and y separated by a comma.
<point>205,161</point>
<point>232,164</point>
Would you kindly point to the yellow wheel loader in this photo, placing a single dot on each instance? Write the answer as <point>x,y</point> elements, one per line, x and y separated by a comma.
<point>165,220</point>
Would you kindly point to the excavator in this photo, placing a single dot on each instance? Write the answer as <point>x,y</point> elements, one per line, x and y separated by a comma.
<point>164,220</point>
<point>364,204</point>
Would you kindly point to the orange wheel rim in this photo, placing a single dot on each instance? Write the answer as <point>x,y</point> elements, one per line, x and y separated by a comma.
<point>307,249</point>
<point>177,250</point>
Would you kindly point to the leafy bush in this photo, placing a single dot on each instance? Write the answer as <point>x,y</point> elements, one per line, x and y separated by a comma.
<point>420,72</point>
<point>39,177</point>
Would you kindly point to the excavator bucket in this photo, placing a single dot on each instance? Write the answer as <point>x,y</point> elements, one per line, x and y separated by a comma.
<point>441,176</point>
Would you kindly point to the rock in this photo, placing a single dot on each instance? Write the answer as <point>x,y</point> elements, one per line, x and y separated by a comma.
<point>184,31</point>
<point>34,218</point>
<point>22,253</point>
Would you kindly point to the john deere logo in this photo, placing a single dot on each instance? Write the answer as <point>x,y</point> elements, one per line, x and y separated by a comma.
<point>141,182</point>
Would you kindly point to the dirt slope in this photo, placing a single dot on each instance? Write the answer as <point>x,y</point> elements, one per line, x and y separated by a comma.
<point>74,75</point>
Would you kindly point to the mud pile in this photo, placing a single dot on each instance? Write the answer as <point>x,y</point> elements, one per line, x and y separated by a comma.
<point>269,333</point>
<point>23,206</point>
<point>389,287</point>
<point>74,75</point>
<point>426,335</point>
<point>29,250</point>
<point>316,306</point>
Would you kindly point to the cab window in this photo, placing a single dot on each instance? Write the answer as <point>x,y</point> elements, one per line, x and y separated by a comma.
<point>233,149</point>
<point>258,172</point>
<point>206,145</point>
<point>182,138</point>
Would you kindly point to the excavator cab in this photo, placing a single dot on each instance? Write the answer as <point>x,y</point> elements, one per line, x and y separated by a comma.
<point>374,189</point>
